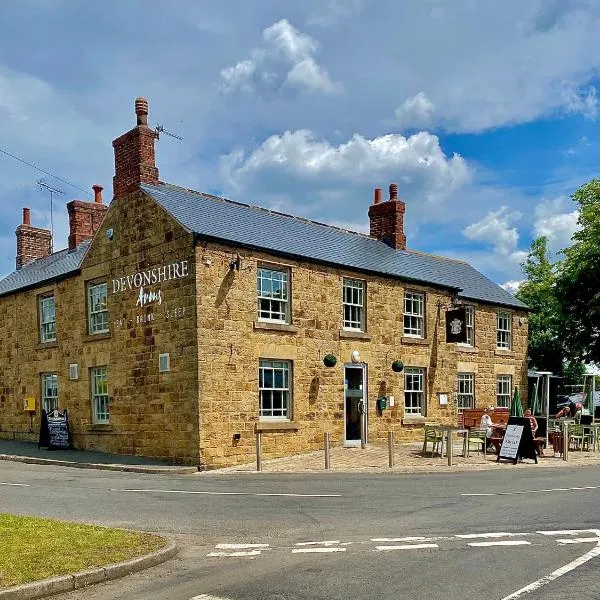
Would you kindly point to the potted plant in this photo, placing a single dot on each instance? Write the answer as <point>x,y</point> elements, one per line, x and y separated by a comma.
<point>330,360</point>
<point>397,366</point>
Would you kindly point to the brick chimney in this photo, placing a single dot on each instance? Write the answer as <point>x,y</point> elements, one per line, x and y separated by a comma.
<point>387,219</point>
<point>32,242</point>
<point>134,154</point>
<point>85,218</point>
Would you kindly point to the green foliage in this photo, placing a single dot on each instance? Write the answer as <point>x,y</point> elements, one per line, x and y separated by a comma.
<point>538,292</point>
<point>578,280</point>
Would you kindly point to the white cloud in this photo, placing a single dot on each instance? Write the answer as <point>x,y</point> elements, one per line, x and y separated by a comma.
<point>299,157</point>
<point>334,11</point>
<point>415,112</point>
<point>556,223</point>
<point>285,59</point>
<point>513,285</point>
<point>582,101</point>
<point>497,230</point>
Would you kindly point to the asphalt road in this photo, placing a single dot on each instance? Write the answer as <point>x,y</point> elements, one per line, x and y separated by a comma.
<point>327,536</point>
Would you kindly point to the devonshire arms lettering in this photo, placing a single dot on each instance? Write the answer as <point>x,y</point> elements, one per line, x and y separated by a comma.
<point>151,276</point>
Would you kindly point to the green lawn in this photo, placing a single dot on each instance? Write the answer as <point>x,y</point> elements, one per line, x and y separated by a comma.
<point>33,548</point>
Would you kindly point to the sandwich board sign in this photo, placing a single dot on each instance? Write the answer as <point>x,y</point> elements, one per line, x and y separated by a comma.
<point>518,441</point>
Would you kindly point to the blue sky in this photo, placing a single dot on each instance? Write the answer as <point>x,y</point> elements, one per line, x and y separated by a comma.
<point>485,114</point>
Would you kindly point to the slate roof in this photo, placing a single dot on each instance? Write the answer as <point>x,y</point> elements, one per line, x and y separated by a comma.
<point>55,266</point>
<point>218,219</point>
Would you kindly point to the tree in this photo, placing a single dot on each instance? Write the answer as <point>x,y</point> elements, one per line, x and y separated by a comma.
<point>578,280</point>
<point>545,349</point>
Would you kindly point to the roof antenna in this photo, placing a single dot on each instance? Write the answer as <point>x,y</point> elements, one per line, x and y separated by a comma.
<point>160,129</point>
<point>44,185</point>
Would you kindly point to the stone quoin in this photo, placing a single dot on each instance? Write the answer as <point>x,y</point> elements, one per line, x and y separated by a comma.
<point>177,325</point>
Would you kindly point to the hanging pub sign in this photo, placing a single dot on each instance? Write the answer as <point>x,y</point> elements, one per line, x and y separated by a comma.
<point>54,430</point>
<point>456,326</point>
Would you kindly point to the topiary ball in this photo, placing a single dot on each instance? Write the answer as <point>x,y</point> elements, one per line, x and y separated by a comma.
<point>330,360</point>
<point>397,366</point>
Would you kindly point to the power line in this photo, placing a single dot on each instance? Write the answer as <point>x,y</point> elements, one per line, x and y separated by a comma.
<point>45,172</point>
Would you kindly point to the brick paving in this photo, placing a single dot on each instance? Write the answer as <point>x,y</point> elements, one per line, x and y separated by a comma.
<point>407,459</point>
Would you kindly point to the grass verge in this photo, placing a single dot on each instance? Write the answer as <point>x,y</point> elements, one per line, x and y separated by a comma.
<point>34,548</point>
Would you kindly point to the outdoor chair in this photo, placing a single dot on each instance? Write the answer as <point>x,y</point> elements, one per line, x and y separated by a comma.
<point>433,434</point>
<point>579,438</point>
<point>477,436</point>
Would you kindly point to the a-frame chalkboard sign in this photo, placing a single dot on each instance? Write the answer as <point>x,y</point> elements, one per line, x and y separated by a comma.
<point>54,430</point>
<point>518,441</point>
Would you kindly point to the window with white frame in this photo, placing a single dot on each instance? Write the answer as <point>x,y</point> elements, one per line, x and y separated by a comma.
<point>98,308</point>
<point>465,391</point>
<point>504,391</point>
<point>504,330</point>
<point>414,391</point>
<point>354,304</point>
<point>47,319</point>
<point>100,413</point>
<point>49,392</point>
<point>414,314</point>
<point>272,290</point>
<point>274,389</point>
<point>470,313</point>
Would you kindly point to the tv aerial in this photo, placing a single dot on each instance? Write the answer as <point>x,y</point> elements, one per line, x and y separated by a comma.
<point>44,185</point>
<point>160,129</point>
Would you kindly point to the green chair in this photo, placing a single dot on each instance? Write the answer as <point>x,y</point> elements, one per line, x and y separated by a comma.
<point>477,436</point>
<point>579,438</point>
<point>433,434</point>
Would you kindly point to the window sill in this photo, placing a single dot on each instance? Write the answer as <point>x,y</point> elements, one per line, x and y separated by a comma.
<point>415,341</point>
<point>276,426</point>
<point>504,353</point>
<point>43,345</point>
<point>414,420</point>
<point>261,325</point>
<point>467,349</point>
<point>97,336</point>
<point>347,334</point>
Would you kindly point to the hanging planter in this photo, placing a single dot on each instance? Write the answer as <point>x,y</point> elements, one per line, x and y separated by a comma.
<point>397,366</point>
<point>330,360</point>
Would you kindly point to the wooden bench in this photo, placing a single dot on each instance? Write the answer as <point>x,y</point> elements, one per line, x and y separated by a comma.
<point>471,417</point>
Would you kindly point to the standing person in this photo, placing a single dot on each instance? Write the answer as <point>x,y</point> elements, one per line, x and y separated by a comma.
<point>532,420</point>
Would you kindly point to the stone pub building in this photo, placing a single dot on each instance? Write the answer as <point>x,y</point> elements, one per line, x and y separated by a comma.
<point>177,324</point>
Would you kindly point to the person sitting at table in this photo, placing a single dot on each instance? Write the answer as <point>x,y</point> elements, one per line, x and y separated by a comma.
<point>534,428</point>
<point>487,424</point>
<point>564,412</point>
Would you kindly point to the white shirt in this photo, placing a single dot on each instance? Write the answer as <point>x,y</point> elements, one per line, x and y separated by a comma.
<point>486,423</point>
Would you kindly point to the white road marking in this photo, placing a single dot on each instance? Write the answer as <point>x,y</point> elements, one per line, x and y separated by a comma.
<point>316,550</point>
<point>502,543</point>
<point>325,543</point>
<point>239,546</point>
<point>406,547</point>
<point>402,539</point>
<point>227,493</point>
<point>15,484</point>
<point>467,536</point>
<point>556,574</point>
<point>208,597</point>
<point>546,491</point>
<point>578,540</point>
<point>566,532</point>
<point>237,553</point>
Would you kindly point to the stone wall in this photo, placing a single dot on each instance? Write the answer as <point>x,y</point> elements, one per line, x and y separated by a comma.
<point>231,342</point>
<point>151,413</point>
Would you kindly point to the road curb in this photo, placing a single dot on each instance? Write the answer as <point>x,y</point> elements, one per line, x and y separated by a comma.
<point>81,579</point>
<point>99,466</point>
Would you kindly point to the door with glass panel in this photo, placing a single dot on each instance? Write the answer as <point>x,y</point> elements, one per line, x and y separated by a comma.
<point>355,405</point>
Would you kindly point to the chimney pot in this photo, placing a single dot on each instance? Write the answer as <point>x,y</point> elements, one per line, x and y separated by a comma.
<point>377,196</point>
<point>141,110</point>
<point>393,191</point>
<point>97,193</point>
<point>386,219</point>
<point>26,216</point>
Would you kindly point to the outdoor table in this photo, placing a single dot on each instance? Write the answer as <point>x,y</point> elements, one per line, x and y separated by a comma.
<point>449,430</point>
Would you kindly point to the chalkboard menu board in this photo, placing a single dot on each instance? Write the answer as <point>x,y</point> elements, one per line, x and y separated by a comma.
<point>54,430</point>
<point>518,440</point>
